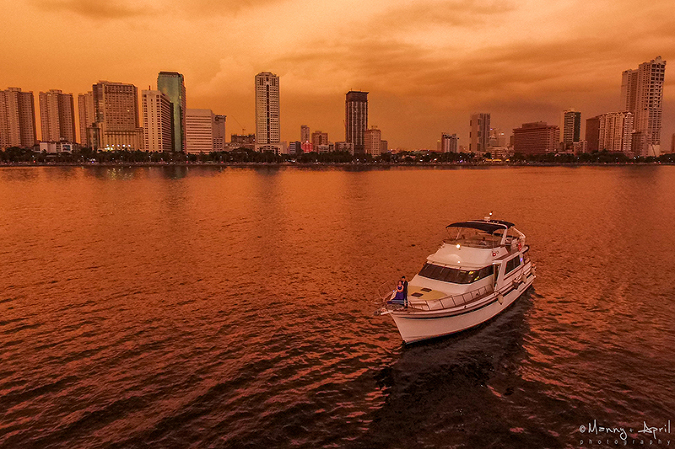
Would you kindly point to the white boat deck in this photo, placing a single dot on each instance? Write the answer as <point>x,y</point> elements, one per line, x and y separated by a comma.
<point>425,299</point>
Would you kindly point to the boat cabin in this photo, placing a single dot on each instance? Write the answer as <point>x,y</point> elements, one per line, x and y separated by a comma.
<point>471,258</point>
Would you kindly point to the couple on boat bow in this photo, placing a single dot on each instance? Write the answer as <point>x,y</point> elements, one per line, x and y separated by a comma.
<point>401,296</point>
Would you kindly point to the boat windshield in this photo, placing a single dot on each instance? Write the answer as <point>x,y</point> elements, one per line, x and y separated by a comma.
<point>473,237</point>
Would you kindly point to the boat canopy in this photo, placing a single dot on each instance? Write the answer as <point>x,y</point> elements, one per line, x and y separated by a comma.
<point>486,226</point>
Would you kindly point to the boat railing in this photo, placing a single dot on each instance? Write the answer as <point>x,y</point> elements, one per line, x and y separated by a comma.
<point>449,301</point>
<point>511,243</point>
<point>386,290</point>
<point>474,243</point>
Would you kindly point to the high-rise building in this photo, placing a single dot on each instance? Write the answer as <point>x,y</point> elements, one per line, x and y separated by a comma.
<point>497,138</point>
<point>319,138</point>
<point>199,130</point>
<point>593,134</point>
<point>497,146</point>
<point>372,139</point>
<point>205,132</point>
<point>304,133</point>
<point>480,132</point>
<point>449,143</point>
<point>672,144</point>
<point>116,113</point>
<point>570,127</point>
<point>157,120</point>
<point>242,139</point>
<point>57,116</point>
<point>344,146</point>
<point>615,133</point>
<point>219,132</point>
<point>4,124</point>
<point>295,148</point>
<point>87,117</point>
<point>17,118</point>
<point>384,146</point>
<point>173,85</point>
<point>580,147</point>
<point>238,141</point>
<point>642,95</point>
<point>267,118</point>
<point>628,90</point>
<point>536,138</point>
<point>638,141</point>
<point>356,119</point>
<point>324,148</point>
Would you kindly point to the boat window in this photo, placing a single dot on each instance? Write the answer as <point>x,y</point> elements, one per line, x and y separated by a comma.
<point>463,278</point>
<point>512,264</point>
<point>436,271</point>
<point>426,270</point>
<point>454,275</point>
<point>485,272</point>
<point>444,273</point>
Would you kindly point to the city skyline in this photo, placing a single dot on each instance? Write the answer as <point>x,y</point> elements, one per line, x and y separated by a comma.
<point>641,90</point>
<point>267,109</point>
<point>519,62</point>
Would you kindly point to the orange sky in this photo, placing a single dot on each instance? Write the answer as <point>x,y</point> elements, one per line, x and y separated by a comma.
<point>426,63</point>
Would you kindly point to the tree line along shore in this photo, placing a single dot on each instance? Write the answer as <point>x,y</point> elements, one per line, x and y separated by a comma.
<point>85,156</point>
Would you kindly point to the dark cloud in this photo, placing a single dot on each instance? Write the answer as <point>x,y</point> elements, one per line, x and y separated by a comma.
<point>576,63</point>
<point>584,59</point>
<point>95,9</point>
<point>445,13</point>
<point>123,9</point>
<point>221,7</point>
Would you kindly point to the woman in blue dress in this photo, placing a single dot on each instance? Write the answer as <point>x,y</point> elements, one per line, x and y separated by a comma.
<point>399,297</point>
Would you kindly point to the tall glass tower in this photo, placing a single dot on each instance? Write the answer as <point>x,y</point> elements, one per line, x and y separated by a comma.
<point>172,84</point>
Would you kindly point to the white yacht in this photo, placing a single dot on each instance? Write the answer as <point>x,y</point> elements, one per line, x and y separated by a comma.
<point>481,269</point>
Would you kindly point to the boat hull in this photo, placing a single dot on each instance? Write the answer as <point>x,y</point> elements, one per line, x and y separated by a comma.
<point>418,326</point>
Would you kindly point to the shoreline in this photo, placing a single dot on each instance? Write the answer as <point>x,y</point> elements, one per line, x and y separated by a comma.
<point>327,164</point>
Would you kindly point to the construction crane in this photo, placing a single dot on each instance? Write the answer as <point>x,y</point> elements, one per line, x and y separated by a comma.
<point>243,130</point>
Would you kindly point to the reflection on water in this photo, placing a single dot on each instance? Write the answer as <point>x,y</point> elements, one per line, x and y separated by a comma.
<point>232,307</point>
<point>458,389</point>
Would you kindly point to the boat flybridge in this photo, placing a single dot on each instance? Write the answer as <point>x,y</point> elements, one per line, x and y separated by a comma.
<point>479,270</point>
